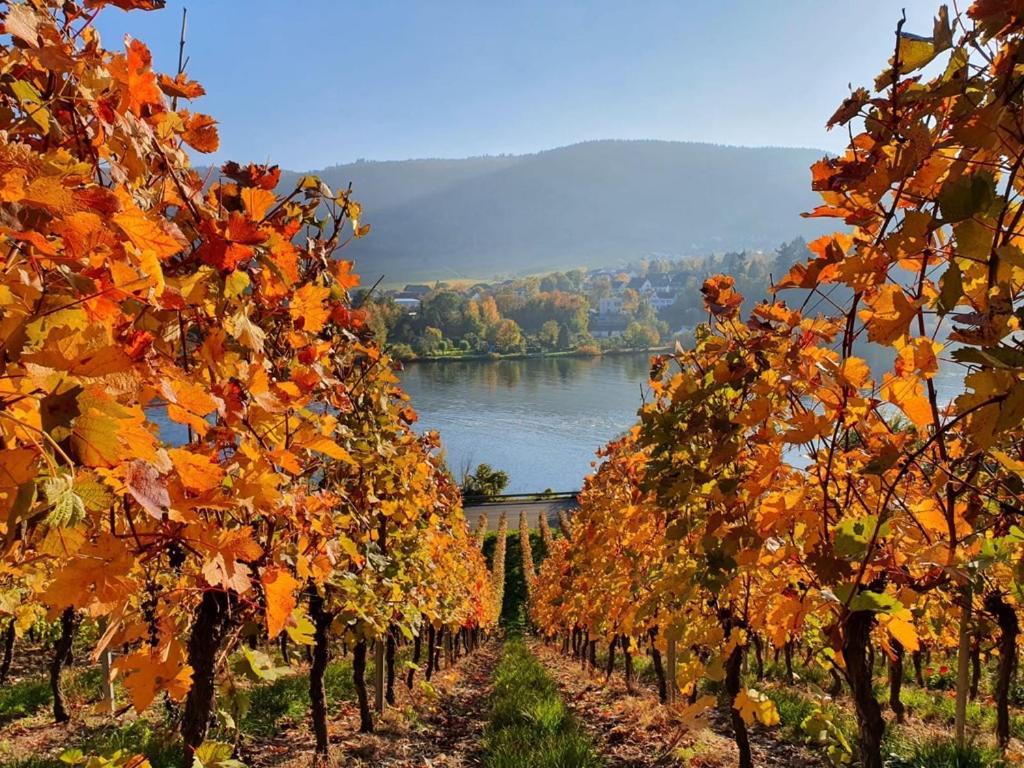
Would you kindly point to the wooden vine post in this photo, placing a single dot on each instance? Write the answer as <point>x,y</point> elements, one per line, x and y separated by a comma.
<point>378,676</point>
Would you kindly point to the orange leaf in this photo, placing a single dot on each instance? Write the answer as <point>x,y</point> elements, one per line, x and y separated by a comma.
<point>138,82</point>
<point>180,86</point>
<point>888,314</point>
<point>189,404</point>
<point>147,233</point>
<point>197,472</point>
<point>279,587</point>
<point>106,432</point>
<point>257,201</point>
<point>907,393</point>
<point>307,307</point>
<point>201,133</point>
<point>344,276</point>
<point>150,671</point>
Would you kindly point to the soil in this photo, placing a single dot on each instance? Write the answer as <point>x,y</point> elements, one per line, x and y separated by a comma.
<point>632,730</point>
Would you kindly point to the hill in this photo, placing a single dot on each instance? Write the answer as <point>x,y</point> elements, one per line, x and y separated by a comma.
<point>599,203</point>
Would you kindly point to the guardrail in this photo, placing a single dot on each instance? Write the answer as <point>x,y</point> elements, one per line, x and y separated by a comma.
<point>511,498</point>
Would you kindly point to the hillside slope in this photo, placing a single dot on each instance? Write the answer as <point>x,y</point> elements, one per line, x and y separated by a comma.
<point>598,203</point>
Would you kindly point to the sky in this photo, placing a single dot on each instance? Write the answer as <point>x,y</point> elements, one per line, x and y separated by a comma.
<point>312,83</point>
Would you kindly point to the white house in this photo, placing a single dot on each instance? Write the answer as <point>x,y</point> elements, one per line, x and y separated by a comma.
<point>662,299</point>
<point>609,305</point>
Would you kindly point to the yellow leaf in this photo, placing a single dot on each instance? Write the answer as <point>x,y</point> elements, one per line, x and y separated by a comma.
<point>330,448</point>
<point>307,307</point>
<point>901,629</point>
<point>257,200</point>
<point>279,588</point>
<point>754,706</point>
<point>888,314</point>
<point>907,393</point>
<point>197,472</point>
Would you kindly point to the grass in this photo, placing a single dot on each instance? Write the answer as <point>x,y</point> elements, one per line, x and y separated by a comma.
<point>529,725</point>
<point>27,697</point>
<point>513,609</point>
<point>157,742</point>
<point>945,754</point>
<point>287,699</point>
<point>271,706</point>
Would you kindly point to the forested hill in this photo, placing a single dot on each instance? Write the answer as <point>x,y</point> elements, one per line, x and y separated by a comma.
<point>598,203</point>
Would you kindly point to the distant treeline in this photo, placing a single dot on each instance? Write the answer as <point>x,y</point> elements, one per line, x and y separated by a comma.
<point>555,312</point>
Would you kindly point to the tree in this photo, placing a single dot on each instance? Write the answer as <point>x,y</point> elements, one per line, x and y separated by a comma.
<point>548,334</point>
<point>431,342</point>
<point>564,337</point>
<point>508,338</point>
<point>135,294</point>
<point>484,483</point>
<point>637,336</point>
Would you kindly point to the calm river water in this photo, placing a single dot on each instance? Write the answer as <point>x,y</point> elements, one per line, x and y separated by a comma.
<point>540,420</point>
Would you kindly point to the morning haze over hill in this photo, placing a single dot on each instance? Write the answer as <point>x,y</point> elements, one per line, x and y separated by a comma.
<point>593,204</point>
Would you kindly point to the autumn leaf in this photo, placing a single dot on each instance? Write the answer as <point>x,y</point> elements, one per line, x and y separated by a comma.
<point>279,586</point>
<point>257,201</point>
<point>755,707</point>
<point>198,473</point>
<point>307,307</point>
<point>907,394</point>
<point>180,86</point>
<point>105,432</point>
<point>147,487</point>
<point>138,82</point>
<point>888,314</point>
<point>719,296</point>
<point>22,22</point>
<point>201,133</point>
<point>146,233</point>
<point>149,671</point>
<point>189,403</point>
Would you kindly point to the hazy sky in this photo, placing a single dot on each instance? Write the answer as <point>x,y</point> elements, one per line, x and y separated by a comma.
<point>310,83</point>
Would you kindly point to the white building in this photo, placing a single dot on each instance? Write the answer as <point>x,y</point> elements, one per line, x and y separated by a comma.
<point>609,305</point>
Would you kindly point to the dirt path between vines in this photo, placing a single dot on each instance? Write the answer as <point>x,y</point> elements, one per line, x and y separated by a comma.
<point>435,725</point>
<point>632,730</point>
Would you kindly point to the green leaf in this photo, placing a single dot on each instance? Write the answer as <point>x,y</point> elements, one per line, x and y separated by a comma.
<point>991,357</point>
<point>257,665</point>
<point>215,754</point>
<point>72,756</point>
<point>965,196</point>
<point>876,602</point>
<point>951,288</point>
<point>853,534</point>
<point>66,506</point>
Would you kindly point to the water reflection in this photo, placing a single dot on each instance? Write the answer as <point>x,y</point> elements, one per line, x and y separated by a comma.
<point>539,419</point>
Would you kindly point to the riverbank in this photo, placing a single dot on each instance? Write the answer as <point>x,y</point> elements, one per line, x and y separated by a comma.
<point>572,353</point>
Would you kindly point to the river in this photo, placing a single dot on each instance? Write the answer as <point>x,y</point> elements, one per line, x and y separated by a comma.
<point>538,419</point>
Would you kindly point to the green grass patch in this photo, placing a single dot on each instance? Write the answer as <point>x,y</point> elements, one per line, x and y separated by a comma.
<point>945,754</point>
<point>27,697</point>
<point>23,698</point>
<point>159,743</point>
<point>287,698</point>
<point>530,727</point>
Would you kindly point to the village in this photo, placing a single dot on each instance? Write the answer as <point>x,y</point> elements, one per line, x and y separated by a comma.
<point>642,305</point>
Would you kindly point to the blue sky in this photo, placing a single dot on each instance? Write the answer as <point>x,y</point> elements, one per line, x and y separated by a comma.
<point>311,83</point>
